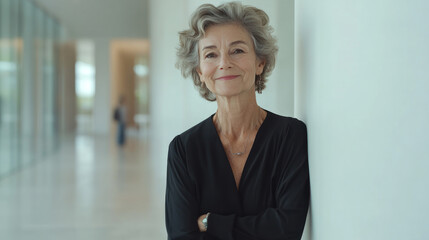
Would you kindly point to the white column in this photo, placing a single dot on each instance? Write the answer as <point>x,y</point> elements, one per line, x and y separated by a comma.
<point>102,112</point>
<point>175,104</point>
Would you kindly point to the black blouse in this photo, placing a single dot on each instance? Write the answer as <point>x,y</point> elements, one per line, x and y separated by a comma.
<point>271,201</point>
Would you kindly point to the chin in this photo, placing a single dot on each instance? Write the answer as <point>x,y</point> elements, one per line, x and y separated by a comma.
<point>228,93</point>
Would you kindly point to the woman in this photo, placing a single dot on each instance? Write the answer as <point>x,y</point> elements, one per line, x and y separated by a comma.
<point>242,173</point>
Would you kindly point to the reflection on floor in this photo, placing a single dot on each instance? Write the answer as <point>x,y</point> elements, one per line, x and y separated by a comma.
<point>90,189</point>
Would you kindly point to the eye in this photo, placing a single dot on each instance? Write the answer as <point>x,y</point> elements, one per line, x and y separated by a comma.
<point>210,55</point>
<point>237,51</point>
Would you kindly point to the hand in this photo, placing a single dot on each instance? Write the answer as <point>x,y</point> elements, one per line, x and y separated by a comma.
<point>200,223</point>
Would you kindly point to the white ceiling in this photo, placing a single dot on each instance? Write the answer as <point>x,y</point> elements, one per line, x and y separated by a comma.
<point>100,18</point>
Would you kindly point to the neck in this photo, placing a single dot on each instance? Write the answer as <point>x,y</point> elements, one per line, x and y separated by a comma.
<point>236,118</point>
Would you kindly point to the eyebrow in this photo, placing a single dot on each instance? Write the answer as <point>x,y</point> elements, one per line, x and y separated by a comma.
<point>233,43</point>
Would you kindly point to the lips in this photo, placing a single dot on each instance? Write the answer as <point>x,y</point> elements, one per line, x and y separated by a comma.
<point>228,77</point>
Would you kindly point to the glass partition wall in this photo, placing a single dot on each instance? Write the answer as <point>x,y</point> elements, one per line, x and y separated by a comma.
<point>28,84</point>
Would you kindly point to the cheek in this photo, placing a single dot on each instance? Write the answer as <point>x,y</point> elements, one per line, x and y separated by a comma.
<point>250,68</point>
<point>248,64</point>
<point>206,69</point>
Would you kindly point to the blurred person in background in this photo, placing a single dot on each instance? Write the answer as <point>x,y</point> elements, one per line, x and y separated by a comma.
<point>242,173</point>
<point>120,116</point>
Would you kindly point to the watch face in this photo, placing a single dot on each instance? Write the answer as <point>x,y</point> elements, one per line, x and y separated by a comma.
<point>205,222</point>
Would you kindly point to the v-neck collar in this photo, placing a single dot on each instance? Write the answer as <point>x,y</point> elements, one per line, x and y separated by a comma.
<point>249,157</point>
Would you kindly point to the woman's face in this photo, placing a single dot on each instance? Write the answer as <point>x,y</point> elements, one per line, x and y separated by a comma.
<point>228,63</point>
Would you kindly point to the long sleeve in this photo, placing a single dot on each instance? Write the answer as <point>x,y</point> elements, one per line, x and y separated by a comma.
<point>287,220</point>
<point>181,206</point>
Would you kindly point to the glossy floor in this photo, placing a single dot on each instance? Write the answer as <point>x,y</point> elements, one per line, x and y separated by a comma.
<point>89,189</point>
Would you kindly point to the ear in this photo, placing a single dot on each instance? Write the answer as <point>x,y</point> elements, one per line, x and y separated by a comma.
<point>260,64</point>
<point>199,73</point>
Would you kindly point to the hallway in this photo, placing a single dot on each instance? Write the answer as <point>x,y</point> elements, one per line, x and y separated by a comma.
<point>89,189</point>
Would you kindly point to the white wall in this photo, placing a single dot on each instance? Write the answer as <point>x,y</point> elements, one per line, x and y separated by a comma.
<point>361,87</point>
<point>175,103</point>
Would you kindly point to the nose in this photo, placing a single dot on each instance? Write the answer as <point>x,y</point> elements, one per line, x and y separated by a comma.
<point>225,62</point>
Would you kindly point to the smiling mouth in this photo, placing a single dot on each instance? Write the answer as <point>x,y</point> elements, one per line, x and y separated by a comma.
<point>229,77</point>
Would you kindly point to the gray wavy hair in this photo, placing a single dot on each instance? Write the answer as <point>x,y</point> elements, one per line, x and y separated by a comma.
<point>254,20</point>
